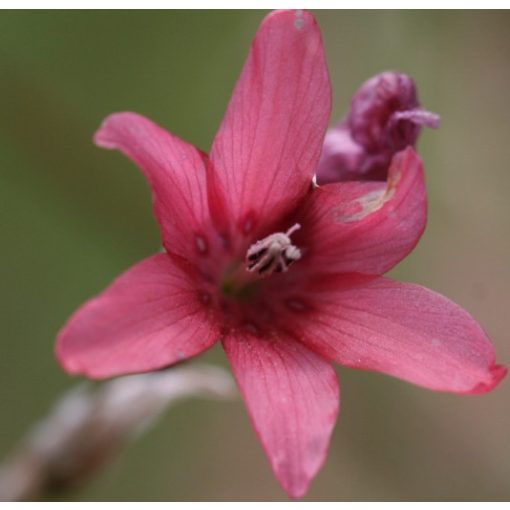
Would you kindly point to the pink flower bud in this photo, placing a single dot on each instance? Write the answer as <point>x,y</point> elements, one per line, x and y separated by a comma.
<point>384,118</point>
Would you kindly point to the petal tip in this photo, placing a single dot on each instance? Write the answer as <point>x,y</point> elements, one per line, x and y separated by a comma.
<point>297,491</point>
<point>72,367</point>
<point>296,485</point>
<point>496,374</point>
<point>67,357</point>
<point>66,362</point>
<point>433,121</point>
<point>100,137</point>
<point>297,20</point>
<point>105,136</point>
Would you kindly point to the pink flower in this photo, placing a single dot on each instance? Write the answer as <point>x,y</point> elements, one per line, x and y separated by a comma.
<point>284,274</point>
<point>384,118</point>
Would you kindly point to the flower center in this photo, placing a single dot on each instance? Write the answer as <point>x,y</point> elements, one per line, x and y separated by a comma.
<point>273,254</point>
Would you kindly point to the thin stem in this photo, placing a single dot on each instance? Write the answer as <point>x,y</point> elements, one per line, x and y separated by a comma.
<point>87,427</point>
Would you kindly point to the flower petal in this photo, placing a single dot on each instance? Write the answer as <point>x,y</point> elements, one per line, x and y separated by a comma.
<point>267,148</point>
<point>176,174</point>
<point>418,116</point>
<point>372,107</point>
<point>341,157</point>
<point>292,397</point>
<point>153,315</point>
<point>366,227</point>
<point>400,329</point>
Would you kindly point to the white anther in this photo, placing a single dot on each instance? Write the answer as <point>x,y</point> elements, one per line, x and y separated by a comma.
<point>273,254</point>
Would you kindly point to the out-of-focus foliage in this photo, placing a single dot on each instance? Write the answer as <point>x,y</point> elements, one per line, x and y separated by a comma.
<point>74,216</point>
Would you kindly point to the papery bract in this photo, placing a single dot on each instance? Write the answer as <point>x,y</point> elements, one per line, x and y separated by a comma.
<point>280,325</point>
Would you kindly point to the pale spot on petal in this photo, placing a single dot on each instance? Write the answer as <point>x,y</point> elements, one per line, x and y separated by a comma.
<point>201,244</point>
<point>205,298</point>
<point>299,21</point>
<point>296,305</point>
<point>251,328</point>
<point>367,204</point>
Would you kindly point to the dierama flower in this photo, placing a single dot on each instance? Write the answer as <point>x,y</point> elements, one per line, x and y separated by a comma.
<point>286,275</point>
<point>384,118</point>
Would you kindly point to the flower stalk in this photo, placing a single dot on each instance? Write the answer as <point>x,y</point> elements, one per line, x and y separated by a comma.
<point>89,426</point>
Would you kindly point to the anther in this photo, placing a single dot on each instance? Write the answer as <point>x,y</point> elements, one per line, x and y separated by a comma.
<point>273,254</point>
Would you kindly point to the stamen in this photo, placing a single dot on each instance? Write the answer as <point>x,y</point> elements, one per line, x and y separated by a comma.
<point>292,229</point>
<point>273,254</point>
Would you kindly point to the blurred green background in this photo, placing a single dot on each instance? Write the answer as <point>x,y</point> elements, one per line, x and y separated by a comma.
<point>75,216</point>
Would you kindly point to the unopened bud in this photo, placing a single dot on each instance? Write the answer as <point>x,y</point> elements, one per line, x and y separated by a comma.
<point>384,118</point>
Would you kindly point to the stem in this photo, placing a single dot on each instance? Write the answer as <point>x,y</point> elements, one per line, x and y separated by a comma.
<point>87,428</point>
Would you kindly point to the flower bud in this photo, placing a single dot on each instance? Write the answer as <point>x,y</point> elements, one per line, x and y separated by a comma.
<point>384,118</point>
